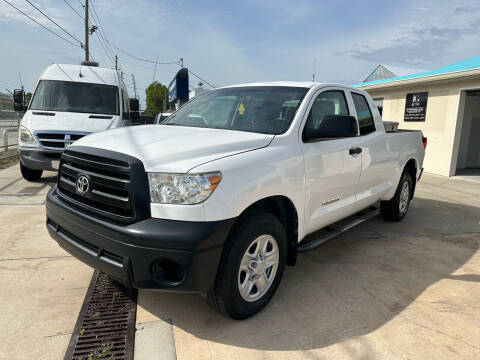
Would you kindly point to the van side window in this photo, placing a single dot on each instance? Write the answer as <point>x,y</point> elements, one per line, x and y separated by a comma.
<point>331,102</point>
<point>364,114</point>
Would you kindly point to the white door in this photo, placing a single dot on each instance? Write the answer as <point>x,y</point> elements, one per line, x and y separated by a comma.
<point>331,171</point>
<point>377,164</point>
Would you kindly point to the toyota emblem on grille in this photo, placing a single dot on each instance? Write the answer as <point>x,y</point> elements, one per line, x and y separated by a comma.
<point>82,184</point>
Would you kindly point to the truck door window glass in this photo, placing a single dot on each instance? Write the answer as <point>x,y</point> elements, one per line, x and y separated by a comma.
<point>364,115</point>
<point>327,103</point>
<point>262,109</point>
<point>53,95</point>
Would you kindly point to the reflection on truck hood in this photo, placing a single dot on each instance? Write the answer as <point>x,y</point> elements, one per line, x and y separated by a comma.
<point>66,121</point>
<point>176,149</point>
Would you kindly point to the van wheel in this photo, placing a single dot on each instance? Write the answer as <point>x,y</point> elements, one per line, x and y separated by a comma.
<point>396,208</point>
<point>29,174</point>
<point>251,266</point>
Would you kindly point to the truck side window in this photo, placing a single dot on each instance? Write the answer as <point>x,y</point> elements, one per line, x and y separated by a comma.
<point>331,102</point>
<point>364,114</point>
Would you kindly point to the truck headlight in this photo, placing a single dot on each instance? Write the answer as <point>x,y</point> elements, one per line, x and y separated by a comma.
<point>185,189</point>
<point>25,137</point>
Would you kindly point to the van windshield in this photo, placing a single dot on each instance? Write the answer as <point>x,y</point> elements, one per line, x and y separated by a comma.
<point>262,109</point>
<point>54,95</point>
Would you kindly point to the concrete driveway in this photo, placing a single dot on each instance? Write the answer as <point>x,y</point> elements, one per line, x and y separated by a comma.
<point>41,286</point>
<point>406,290</point>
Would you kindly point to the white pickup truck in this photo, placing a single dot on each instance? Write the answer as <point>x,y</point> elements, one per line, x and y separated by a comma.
<point>225,193</point>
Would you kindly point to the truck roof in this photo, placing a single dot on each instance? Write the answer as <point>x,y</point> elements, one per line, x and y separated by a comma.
<point>89,74</point>
<point>304,84</point>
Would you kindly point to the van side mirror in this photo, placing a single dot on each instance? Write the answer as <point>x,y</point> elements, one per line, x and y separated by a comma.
<point>134,104</point>
<point>332,127</point>
<point>19,100</point>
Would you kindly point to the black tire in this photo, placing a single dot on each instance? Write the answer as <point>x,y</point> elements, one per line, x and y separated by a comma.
<point>225,296</point>
<point>29,174</point>
<point>395,209</point>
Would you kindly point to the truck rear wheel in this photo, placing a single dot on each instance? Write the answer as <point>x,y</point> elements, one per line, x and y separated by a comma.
<point>251,267</point>
<point>29,174</point>
<point>396,208</point>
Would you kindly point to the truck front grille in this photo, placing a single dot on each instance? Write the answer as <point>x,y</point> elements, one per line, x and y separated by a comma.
<point>58,140</point>
<point>117,184</point>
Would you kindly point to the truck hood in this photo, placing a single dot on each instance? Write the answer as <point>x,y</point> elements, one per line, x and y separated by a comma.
<point>175,149</point>
<point>66,121</point>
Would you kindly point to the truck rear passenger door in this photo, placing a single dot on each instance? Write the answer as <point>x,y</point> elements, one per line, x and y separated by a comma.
<point>331,169</point>
<point>376,162</point>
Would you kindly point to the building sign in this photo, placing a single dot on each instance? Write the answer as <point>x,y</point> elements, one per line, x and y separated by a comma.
<point>178,88</point>
<point>416,106</point>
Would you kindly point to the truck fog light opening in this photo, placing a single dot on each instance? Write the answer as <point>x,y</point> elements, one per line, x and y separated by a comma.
<point>168,272</point>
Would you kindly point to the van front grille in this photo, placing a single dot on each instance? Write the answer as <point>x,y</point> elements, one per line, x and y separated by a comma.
<point>58,140</point>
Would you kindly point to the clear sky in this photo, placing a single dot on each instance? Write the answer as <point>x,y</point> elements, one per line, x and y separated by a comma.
<point>229,42</point>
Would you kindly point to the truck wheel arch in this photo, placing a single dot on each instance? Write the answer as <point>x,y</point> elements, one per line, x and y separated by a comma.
<point>282,208</point>
<point>411,168</point>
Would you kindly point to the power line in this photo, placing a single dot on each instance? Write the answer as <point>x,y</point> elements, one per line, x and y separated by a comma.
<point>198,77</point>
<point>102,32</point>
<point>140,59</point>
<point>105,51</point>
<point>49,18</point>
<point>145,67</point>
<point>46,28</point>
<point>7,83</point>
<point>75,11</point>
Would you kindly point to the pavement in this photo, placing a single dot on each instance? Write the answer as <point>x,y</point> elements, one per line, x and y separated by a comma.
<point>406,290</point>
<point>42,287</point>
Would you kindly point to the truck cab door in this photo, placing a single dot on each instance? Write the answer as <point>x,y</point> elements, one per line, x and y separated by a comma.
<point>377,170</point>
<point>332,170</point>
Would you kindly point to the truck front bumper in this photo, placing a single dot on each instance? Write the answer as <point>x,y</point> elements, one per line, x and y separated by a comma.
<point>39,159</point>
<point>161,254</point>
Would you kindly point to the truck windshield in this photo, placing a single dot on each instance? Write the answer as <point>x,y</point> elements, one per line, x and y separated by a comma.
<point>262,109</point>
<point>53,95</point>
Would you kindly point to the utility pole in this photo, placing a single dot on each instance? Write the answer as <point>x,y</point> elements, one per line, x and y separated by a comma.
<point>87,54</point>
<point>134,87</point>
<point>165,100</point>
<point>116,62</point>
<point>154,71</point>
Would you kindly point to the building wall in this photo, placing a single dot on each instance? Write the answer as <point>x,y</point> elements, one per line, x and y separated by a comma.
<point>440,121</point>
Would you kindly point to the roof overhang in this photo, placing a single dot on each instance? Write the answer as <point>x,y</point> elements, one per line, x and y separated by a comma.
<point>447,77</point>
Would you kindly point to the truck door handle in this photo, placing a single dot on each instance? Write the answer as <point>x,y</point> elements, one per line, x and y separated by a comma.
<point>354,151</point>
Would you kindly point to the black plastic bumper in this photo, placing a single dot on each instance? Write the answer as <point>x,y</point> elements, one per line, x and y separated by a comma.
<point>38,159</point>
<point>170,255</point>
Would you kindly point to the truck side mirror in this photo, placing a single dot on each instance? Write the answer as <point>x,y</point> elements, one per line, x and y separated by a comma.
<point>331,127</point>
<point>19,100</point>
<point>134,105</point>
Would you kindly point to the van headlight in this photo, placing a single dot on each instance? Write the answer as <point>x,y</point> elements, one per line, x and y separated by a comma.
<point>25,137</point>
<point>185,189</point>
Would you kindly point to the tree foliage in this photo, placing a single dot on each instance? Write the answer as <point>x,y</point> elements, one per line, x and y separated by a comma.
<point>156,98</point>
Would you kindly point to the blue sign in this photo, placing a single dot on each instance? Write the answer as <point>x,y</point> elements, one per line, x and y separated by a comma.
<point>178,88</point>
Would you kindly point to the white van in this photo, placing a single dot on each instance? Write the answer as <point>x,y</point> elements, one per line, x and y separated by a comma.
<point>70,101</point>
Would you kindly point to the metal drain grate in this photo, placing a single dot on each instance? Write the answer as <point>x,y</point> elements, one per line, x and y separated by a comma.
<point>105,327</point>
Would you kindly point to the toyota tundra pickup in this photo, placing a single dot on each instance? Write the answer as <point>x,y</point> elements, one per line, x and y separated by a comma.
<point>223,194</point>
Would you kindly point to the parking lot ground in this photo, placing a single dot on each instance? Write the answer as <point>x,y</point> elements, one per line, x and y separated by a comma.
<point>406,290</point>
<point>41,286</point>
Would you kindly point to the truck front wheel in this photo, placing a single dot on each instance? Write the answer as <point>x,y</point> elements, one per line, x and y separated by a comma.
<point>251,267</point>
<point>396,208</point>
<point>29,174</point>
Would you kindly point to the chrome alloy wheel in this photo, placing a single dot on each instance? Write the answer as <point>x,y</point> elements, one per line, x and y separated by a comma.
<point>258,268</point>
<point>404,198</point>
